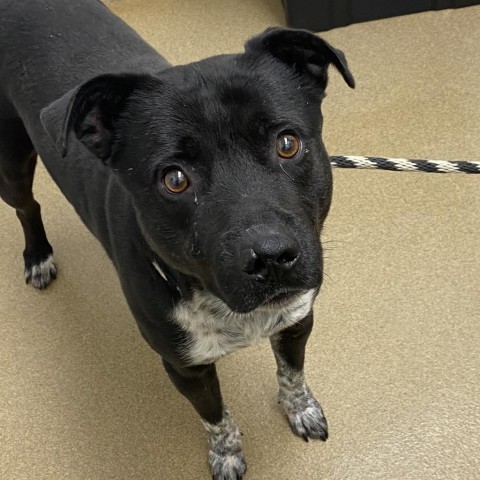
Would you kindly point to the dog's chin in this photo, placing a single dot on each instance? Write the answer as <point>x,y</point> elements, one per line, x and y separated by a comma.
<point>282,300</point>
<point>276,301</point>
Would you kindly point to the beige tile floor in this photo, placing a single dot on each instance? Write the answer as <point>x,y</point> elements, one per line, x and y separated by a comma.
<point>395,354</point>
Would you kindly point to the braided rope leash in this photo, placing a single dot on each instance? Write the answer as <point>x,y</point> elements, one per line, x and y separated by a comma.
<point>405,164</point>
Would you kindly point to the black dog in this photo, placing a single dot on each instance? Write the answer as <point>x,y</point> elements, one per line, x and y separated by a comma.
<point>207,184</point>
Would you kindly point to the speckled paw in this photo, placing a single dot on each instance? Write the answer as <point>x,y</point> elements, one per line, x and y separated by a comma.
<point>40,273</point>
<point>304,414</point>
<point>225,456</point>
<point>227,466</point>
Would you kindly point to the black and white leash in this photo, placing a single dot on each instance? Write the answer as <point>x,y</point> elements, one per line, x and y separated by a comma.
<point>405,164</point>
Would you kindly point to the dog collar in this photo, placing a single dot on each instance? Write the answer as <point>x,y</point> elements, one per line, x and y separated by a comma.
<point>167,277</point>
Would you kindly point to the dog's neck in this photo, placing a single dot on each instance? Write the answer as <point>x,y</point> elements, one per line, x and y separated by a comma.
<point>180,285</point>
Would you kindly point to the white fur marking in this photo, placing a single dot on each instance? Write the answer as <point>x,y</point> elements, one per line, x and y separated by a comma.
<point>215,330</point>
<point>42,274</point>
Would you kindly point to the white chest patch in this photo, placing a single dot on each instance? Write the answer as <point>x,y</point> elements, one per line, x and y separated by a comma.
<point>214,330</point>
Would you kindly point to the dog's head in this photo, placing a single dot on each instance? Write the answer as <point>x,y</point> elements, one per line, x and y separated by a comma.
<point>223,160</point>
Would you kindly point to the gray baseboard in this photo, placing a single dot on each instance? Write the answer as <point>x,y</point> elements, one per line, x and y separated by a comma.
<point>319,15</point>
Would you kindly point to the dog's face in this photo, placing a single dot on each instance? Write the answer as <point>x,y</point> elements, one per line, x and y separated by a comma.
<point>223,160</point>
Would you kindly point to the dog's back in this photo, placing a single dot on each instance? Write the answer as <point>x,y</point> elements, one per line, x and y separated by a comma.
<point>57,54</point>
<point>43,55</point>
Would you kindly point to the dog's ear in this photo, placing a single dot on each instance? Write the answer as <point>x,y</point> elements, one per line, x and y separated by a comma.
<point>302,51</point>
<point>91,111</point>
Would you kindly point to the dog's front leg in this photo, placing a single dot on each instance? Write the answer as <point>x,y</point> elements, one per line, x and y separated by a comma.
<point>304,412</point>
<point>201,387</point>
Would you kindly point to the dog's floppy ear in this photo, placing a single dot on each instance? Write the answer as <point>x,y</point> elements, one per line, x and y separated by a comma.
<point>303,51</point>
<point>90,111</point>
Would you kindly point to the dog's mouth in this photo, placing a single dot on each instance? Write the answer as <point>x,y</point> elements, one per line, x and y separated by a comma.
<point>281,299</point>
<point>273,302</point>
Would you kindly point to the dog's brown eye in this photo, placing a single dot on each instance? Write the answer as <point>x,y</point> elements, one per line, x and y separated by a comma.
<point>175,181</point>
<point>288,145</point>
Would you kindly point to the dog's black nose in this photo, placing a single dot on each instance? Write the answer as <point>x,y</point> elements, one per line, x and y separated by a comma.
<point>268,254</point>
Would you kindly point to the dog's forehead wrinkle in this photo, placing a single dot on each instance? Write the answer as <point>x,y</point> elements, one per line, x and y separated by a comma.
<point>232,102</point>
<point>215,90</point>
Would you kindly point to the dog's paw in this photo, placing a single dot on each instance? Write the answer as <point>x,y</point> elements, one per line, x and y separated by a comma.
<point>225,456</point>
<point>40,273</point>
<point>304,413</point>
<point>227,466</point>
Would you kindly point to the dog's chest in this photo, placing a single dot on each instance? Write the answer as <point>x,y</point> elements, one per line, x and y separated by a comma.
<point>214,331</point>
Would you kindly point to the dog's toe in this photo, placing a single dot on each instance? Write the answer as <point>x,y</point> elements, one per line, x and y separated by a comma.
<point>305,414</point>
<point>40,273</point>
